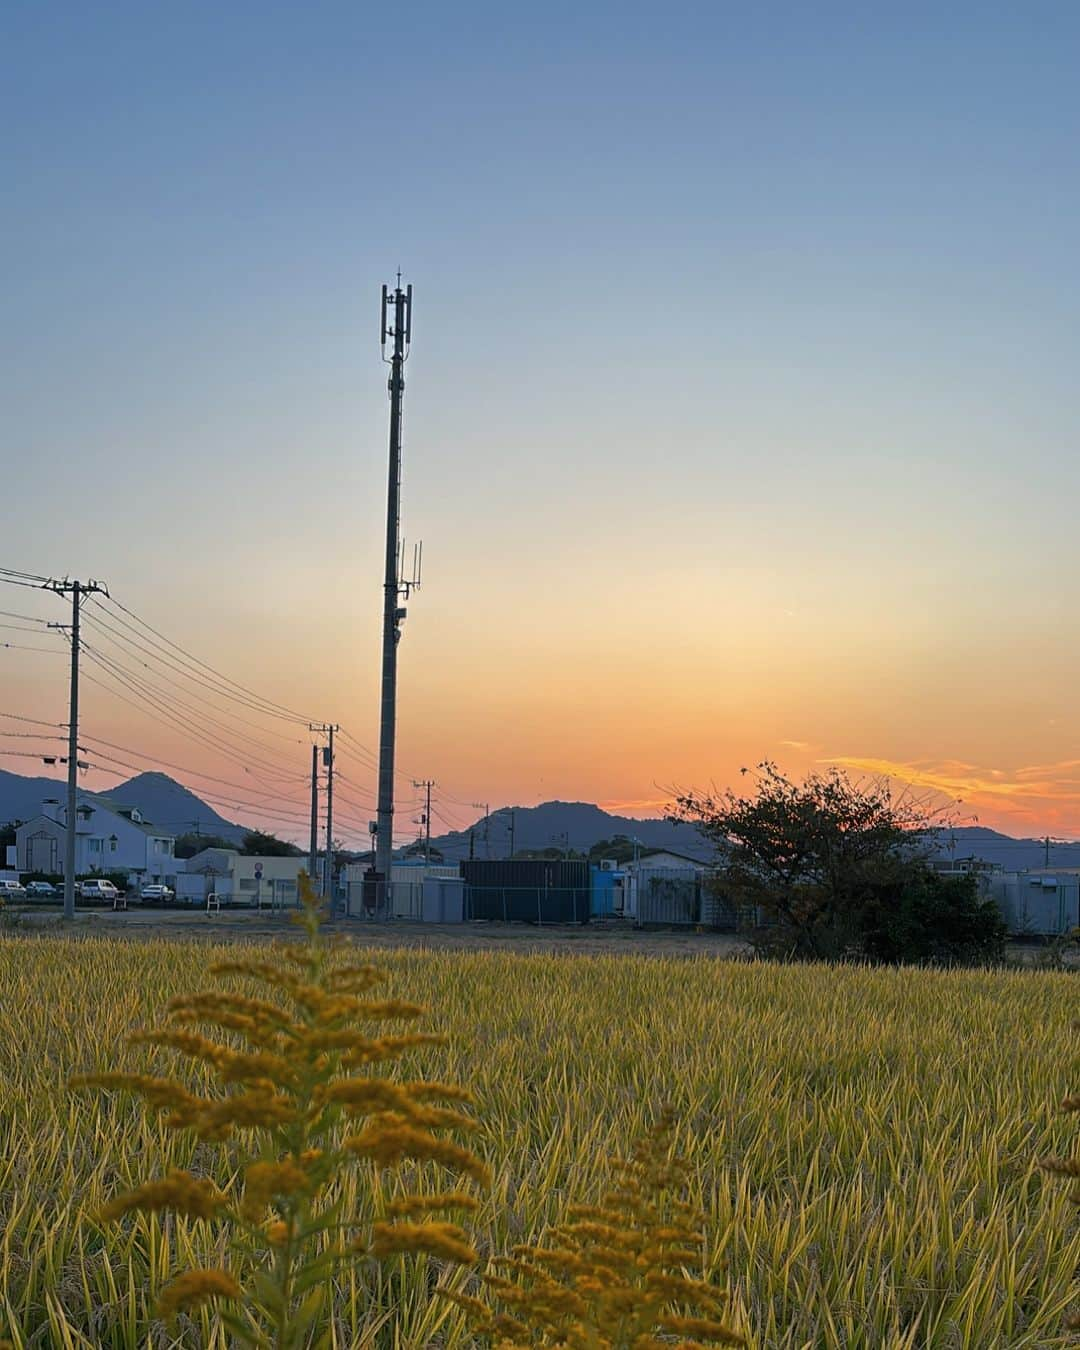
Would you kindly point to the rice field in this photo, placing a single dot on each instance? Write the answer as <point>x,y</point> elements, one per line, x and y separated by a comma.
<point>863,1141</point>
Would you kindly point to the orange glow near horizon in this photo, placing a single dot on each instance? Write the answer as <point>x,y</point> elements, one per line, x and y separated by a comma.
<point>528,712</point>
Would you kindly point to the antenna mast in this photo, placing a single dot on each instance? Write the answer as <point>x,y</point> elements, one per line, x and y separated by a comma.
<point>397,325</point>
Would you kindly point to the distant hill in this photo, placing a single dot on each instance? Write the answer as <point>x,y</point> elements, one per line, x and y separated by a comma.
<point>174,807</point>
<point>577,825</point>
<point>581,824</point>
<point>160,799</point>
<point>21,798</point>
<point>1015,855</point>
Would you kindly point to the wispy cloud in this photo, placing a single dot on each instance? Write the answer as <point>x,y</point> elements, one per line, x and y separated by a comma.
<point>799,745</point>
<point>1048,794</point>
<point>638,806</point>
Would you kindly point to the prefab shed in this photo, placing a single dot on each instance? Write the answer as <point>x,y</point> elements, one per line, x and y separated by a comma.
<point>527,890</point>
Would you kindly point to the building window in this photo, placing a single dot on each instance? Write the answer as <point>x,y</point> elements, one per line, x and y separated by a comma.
<point>95,845</point>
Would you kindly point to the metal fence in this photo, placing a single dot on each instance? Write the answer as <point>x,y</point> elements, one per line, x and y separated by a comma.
<point>661,898</point>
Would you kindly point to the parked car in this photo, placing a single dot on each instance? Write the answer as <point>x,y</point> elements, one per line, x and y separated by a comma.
<point>98,890</point>
<point>41,890</point>
<point>12,890</point>
<point>162,894</point>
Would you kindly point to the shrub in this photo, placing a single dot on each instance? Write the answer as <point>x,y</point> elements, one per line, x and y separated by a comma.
<point>930,919</point>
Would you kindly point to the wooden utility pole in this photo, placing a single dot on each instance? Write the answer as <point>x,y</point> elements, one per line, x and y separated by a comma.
<point>76,589</point>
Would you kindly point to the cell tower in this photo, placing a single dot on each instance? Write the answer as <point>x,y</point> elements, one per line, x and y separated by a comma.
<point>397,325</point>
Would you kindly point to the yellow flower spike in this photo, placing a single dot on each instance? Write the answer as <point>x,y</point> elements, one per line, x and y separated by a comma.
<point>180,1193</point>
<point>422,1204</point>
<point>194,1287</point>
<point>266,1182</point>
<point>445,1240</point>
<point>615,1276</point>
<point>282,1089</point>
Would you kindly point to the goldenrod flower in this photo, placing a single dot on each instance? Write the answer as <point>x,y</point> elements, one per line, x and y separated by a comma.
<point>614,1276</point>
<point>266,1182</point>
<point>437,1239</point>
<point>389,1142</point>
<point>423,1204</point>
<point>193,1287</point>
<point>180,1192</point>
<point>286,1091</point>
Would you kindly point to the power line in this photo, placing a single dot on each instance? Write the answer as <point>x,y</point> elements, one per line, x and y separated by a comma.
<point>22,628</point>
<point>279,708</point>
<point>17,717</point>
<point>16,578</point>
<point>141,649</point>
<point>96,741</point>
<point>119,637</point>
<point>156,708</point>
<point>168,703</point>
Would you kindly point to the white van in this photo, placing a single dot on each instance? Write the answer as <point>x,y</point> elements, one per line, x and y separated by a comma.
<point>97,890</point>
<point>12,890</point>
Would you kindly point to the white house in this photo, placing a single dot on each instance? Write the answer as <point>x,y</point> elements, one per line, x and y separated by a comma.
<point>240,878</point>
<point>108,838</point>
<point>661,886</point>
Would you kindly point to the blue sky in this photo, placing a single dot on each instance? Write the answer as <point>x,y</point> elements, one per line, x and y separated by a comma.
<point>750,326</point>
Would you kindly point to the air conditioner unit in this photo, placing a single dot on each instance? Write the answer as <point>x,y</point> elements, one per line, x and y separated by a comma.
<point>608,865</point>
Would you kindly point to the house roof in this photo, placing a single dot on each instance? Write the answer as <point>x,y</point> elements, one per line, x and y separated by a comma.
<point>215,860</point>
<point>35,822</point>
<point>98,800</point>
<point>667,853</point>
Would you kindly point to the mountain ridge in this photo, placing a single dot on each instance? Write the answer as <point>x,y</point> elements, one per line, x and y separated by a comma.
<point>555,824</point>
<point>161,800</point>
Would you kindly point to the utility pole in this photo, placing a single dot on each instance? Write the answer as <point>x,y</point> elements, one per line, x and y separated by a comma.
<point>513,823</point>
<point>1047,842</point>
<point>398,309</point>
<point>328,866</point>
<point>313,851</point>
<point>427,785</point>
<point>486,808</point>
<point>327,730</point>
<point>76,589</point>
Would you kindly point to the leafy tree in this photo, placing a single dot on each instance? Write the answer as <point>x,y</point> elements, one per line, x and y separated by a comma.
<point>187,845</point>
<point>619,849</point>
<point>931,918</point>
<point>839,868</point>
<point>256,843</point>
<point>7,833</point>
<point>554,853</point>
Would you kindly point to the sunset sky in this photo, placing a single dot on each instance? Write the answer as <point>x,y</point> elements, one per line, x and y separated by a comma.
<point>741,416</point>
